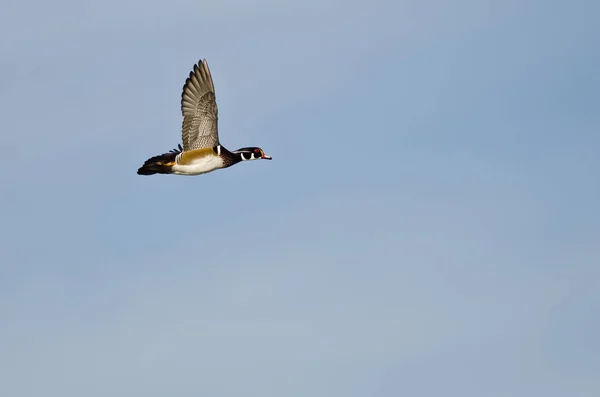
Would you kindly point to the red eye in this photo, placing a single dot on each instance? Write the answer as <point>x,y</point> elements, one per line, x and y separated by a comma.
<point>257,150</point>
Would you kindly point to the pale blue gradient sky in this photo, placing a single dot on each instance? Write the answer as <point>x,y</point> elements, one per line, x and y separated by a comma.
<point>429,224</point>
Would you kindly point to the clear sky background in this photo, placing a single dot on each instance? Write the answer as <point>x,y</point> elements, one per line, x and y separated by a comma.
<point>429,225</point>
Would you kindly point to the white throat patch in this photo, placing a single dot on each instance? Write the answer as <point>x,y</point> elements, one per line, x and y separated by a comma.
<point>251,156</point>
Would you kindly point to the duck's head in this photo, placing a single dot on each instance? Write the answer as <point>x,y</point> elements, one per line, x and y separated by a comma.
<point>252,153</point>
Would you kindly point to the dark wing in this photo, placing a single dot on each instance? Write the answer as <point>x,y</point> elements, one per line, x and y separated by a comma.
<point>199,109</point>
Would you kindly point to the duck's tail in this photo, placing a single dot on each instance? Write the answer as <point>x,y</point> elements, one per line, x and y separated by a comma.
<point>161,164</point>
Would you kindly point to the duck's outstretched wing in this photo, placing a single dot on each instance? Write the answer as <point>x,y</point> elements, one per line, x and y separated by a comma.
<point>199,108</point>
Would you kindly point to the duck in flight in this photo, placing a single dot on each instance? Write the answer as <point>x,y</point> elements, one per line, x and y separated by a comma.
<point>201,151</point>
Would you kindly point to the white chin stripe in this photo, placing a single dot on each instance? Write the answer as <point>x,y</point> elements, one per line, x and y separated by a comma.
<point>250,156</point>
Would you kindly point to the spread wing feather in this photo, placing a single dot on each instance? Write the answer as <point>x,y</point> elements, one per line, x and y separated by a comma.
<point>199,108</point>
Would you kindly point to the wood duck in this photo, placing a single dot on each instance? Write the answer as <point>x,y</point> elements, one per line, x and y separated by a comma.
<point>201,151</point>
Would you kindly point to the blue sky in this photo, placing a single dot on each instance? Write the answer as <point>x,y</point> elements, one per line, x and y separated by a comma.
<point>429,224</point>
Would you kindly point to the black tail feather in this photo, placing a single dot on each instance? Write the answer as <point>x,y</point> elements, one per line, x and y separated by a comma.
<point>161,164</point>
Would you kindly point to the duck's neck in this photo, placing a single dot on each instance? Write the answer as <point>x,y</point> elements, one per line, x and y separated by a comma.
<point>231,158</point>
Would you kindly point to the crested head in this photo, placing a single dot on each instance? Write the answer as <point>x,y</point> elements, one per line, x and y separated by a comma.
<point>252,153</point>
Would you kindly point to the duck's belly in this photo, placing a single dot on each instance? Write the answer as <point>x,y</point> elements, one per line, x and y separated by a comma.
<point>199,166</point>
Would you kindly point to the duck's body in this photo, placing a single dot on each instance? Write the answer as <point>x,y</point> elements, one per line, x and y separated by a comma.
<point>201,151</point>
<point>198,161</point>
